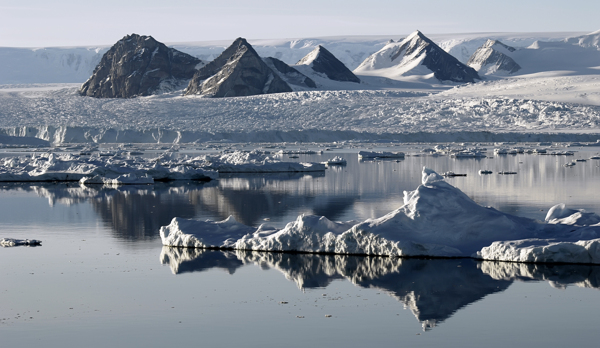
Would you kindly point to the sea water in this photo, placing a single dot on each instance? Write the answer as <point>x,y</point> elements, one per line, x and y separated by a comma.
<point>101,277</point>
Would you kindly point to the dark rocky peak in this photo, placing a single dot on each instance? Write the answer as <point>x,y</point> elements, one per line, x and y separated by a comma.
<point>238,71</point>
<point>238,45</point>
<point>324,62</point>
<point>289,74</point>
<point>138,65</point>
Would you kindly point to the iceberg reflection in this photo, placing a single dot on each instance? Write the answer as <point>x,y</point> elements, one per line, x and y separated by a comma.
<point>433,289</point>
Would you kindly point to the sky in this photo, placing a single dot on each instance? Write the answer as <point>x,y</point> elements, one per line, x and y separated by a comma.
<point>43,23</point>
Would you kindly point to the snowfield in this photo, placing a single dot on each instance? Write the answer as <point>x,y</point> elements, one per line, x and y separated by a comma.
<point>472,112</point>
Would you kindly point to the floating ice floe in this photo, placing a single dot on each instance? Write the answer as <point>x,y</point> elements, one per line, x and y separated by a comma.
<point>468,154</point>
<point>437,220</point>
<point>96,169</point>
<point>123,168</point>
<point>379,154</point>
<point>10,242</point>
<point>252,162</point>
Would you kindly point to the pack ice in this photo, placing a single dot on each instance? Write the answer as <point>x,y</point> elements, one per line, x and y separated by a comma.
<point>436,220</point>
<point>122,168</point>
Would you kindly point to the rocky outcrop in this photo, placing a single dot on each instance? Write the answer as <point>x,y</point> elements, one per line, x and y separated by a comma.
<point>411,55</point>
<point>238,71</point>
<point>138,66</point>
<point>493,57</point>
<point>322,61</point>
<point>289,74</point>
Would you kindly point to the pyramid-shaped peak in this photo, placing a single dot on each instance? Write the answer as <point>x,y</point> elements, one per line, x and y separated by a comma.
<point>240,41</point>
<point>237,71</point>
<point>324,62</point>
<point>416,34</point>
<point>318,52</point>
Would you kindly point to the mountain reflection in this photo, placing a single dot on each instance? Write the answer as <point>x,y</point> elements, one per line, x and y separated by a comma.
<point>433,289</point>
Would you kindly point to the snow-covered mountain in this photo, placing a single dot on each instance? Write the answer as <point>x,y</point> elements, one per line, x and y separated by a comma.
<point>416,56</point>
<point>137,66</point>
<point>48,65</point>
<point>591,40</point>
<point>320,60</point>
<point>494,57</point>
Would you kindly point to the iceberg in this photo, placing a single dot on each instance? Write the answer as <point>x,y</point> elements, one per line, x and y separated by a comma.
<point>254,162</point>
<point>436,220</point>
<point>11,242</point>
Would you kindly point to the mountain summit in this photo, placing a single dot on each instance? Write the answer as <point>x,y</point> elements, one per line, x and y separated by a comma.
<point>137,66</point>
<point>238,71</point>
<point>322,61</point>
<point>416,55</point>
<point>494,57</point>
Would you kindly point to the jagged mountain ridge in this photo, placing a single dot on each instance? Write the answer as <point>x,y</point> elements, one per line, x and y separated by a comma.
<point>238,71</point>
<point>416,55</point>
<point>138,66</point>
<point>322,61</point>
<point>494,57</point>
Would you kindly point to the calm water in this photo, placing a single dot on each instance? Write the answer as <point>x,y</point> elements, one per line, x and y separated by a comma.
<point>102,277</point>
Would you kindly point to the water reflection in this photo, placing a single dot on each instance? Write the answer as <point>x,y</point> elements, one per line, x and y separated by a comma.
<point>358,191</point>
<point>137,212</point>
<point>432,289</point>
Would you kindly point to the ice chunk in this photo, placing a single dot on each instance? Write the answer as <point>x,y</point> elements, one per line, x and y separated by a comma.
<point>10,242</point>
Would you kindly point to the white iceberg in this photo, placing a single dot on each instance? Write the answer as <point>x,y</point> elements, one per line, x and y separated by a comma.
<point>336,161</point>
<point>252,162</point>
<point>436,220</point>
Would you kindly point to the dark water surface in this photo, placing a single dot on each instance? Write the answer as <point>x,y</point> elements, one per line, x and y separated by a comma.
<point>102,277</point>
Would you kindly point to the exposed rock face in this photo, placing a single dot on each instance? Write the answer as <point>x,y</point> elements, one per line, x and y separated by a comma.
<point>493,57</point>
<point>138,66</point>
<point>322,61</point>
<point>289,74</point>
<point>238,71</point>
<point>411,55</point>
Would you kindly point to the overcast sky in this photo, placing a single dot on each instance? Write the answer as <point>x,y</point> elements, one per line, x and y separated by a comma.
<point>37,23</point>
